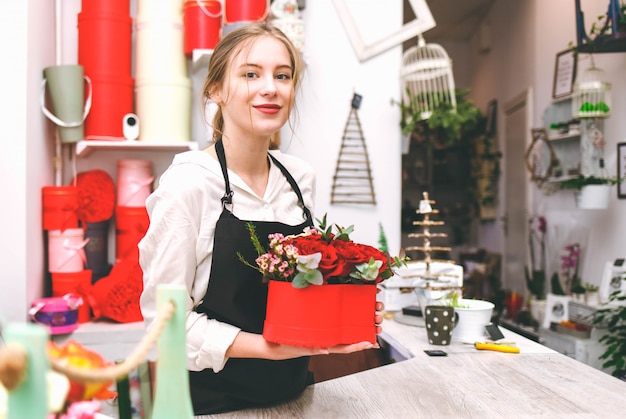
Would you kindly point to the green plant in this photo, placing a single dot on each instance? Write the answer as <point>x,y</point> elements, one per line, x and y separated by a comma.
<point>578,182</point>
<point>536,275</point>
<point>603,25</point>
<point>613,315</point>
<point>557,288</point>
<point>589,287</point>
<point>536,283</point>
<point>445,126</point>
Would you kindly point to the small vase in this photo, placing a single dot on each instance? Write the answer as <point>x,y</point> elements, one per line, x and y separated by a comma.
<point>320,315</point>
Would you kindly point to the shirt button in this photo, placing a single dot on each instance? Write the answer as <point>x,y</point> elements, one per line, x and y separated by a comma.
<point>266,205</point>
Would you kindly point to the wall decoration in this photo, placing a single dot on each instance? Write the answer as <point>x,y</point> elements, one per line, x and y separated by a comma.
<point>612,281</point>
<point>621,170</point>
<point>423,21</point>
<point>564,74</point>
<point>557,309</point>
<point>541,160</point>
<point>352,183</point>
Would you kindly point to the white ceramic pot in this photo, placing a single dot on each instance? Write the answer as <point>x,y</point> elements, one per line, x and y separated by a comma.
<point>474,315</point>
<point>594,197</point>
<point>592,298</point>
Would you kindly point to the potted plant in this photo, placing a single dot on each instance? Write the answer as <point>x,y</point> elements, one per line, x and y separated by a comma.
<point>535,273</point>
<point>613,317</point>
<point>592,192</point>
<point>446,125</point>
<point>321,285</point>
<point>592,296</point>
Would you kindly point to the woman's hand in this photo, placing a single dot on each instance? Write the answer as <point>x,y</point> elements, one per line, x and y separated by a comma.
<point>378,319</point>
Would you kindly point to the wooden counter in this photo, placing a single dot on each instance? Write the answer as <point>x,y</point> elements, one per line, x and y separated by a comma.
<point>538,382</point>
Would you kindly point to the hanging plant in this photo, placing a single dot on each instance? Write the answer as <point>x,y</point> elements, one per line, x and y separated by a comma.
<point>445,126</point>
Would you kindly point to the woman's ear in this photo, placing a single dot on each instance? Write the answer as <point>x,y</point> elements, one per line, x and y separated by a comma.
<point>216,97</point>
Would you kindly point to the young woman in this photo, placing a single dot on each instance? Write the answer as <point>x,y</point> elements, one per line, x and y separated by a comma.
<point>198,218</point>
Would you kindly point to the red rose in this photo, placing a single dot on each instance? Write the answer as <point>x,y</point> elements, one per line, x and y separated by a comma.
<point>351,254</point>
<point>307,245</point>
<point>331,264</point>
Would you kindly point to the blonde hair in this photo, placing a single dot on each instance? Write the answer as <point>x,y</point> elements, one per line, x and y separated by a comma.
<point>231,45</point>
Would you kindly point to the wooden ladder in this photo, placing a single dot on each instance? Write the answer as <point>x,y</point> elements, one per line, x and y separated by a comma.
<point>352,182</point>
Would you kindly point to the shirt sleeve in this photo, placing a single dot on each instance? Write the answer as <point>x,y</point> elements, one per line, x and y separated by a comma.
<point>174,251</point>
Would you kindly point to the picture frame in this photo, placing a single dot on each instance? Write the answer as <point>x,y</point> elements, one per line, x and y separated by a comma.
<point>612,280</point>
<point>564,73</point>
<point>621,170</point>
<point>354,29</point>
<point>557,309</point>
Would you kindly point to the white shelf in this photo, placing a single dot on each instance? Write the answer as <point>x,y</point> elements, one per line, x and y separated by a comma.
<point>84,148</point>
<point>563,137</point>
<point>200,59</point>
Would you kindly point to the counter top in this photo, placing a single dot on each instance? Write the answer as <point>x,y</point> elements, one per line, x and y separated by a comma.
<point>537,382</point>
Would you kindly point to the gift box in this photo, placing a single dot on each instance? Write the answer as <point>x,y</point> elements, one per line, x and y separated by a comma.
<point>320,315</point>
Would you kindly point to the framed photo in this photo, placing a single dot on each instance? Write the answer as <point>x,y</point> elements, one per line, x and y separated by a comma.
<point>621,170</point>
<point>356,27</point>
<point>557,310</point>
<point>564,74</point>
<point>613,279</point>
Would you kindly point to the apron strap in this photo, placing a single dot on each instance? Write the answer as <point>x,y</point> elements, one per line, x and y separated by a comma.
<point>228,194</point>
<point>294,186</point>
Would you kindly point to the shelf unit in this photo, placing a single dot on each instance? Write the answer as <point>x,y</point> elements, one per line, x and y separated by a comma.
<point>564,137</point>
<point>86,147</point>
<point>200,59</point>
<point>567,146</point>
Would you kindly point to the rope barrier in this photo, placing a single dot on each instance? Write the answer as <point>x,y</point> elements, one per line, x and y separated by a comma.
<point>109,373</point>
<point>118,371</point>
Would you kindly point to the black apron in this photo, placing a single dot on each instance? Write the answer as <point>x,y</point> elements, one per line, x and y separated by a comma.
<point>237,295</point>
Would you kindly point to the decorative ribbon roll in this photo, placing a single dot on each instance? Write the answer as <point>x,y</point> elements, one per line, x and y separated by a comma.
<point>59,313</point>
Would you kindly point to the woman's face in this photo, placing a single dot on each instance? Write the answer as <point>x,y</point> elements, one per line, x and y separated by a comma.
<point>257,93</point>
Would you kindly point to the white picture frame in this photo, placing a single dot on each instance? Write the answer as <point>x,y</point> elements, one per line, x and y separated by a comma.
<point>423,22</point>
<point>557,309</point>
<point>612,280</point>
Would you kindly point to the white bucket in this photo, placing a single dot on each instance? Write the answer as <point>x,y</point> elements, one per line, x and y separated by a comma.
<point>474,315</point>
<point>134,182</point>
<point>66,251</point>
<point>164,110</point>
<point>159,51</point>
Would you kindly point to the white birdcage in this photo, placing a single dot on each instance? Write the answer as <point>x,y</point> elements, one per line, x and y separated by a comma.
<point>592,94</point>
<point>427,79</point>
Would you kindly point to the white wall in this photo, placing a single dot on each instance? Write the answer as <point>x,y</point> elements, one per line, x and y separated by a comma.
<point>333,74</point>
<point>607,228</point>
<point>526,38</point>
<point>27,46</point>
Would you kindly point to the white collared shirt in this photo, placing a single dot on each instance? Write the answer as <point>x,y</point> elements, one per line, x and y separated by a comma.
<point>178,246</point>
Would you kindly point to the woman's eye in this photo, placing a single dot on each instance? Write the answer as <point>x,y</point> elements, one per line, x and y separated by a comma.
<point>250,75</point>
<point>283,76</point>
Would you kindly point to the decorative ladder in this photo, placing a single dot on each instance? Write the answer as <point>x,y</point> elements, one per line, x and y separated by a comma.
<point>352,183</point>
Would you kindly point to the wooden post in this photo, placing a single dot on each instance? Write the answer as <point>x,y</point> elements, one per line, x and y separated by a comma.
<point>30,399</point>
<point>172,398</point>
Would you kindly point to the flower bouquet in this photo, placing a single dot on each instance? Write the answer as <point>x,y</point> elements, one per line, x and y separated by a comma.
<point>321,286</point>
